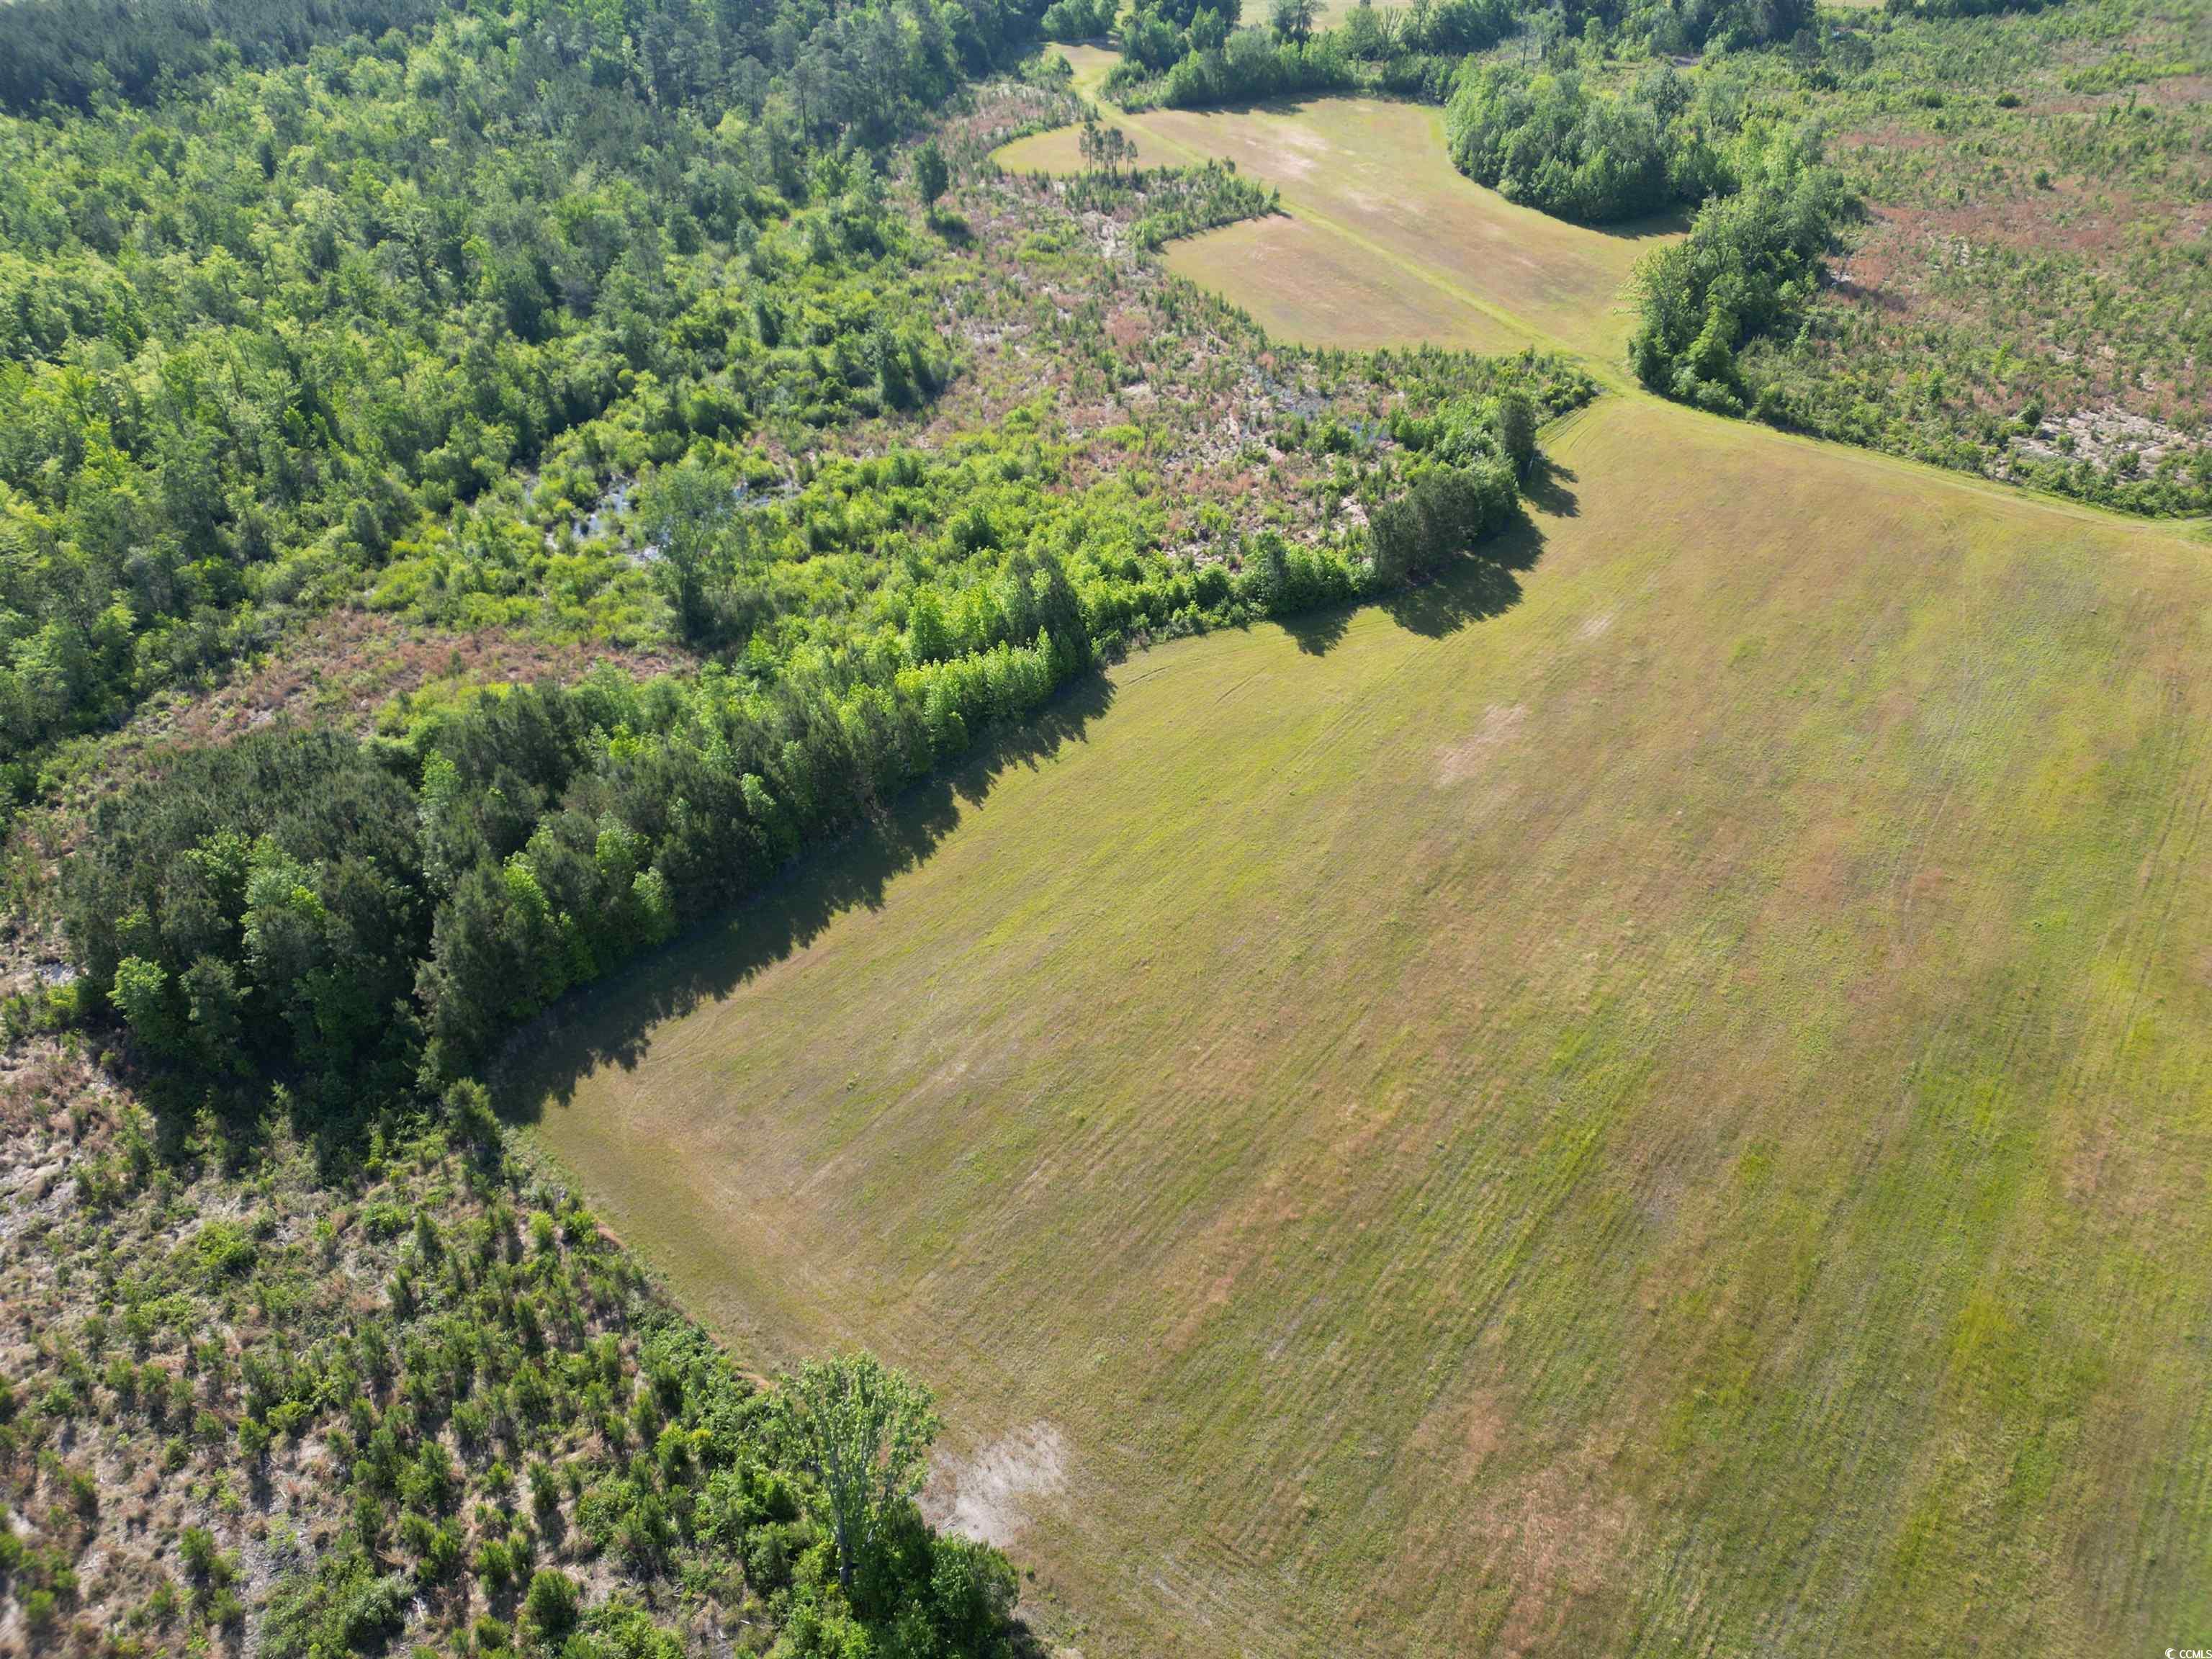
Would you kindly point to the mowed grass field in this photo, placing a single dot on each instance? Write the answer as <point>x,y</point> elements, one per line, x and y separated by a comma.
<point>1384,231</point>
<point>1311,286</point>
<point>1676,1117</point>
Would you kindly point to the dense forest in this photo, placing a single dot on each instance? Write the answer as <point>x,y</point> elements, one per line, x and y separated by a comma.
<point>1553,143</point>
<point>256,341</point>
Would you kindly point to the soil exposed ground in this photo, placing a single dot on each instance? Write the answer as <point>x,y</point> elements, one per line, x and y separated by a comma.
<point>1658,1103</point>
<point>1389,234</point>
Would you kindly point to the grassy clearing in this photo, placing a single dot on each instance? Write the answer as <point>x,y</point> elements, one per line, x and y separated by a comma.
<point>1674,1117</point>
<point>1414,250</point>
<point>1377,173</point>
<point>1304,283</point>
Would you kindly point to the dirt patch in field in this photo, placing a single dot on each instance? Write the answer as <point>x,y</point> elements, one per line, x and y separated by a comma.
<point>1557,1538</point>
<point>988,1497</point>
<point>1459,762</point>
<point>1462,1434</point>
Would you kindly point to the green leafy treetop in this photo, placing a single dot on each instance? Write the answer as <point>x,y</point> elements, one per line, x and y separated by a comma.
<point>862,1432</point>
<point>930,175</point>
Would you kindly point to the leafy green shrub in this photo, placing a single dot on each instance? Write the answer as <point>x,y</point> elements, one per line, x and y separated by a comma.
<point>1077,19</point>
<point>1750,266</point>
<point>223,1250</point>
<point>551,1603</point>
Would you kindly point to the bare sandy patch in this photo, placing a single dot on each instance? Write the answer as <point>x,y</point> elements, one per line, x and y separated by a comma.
<point>988,1497</point>
<point>1461,1435</point>
<point>1557,1538</point>
<point>1596,627</point>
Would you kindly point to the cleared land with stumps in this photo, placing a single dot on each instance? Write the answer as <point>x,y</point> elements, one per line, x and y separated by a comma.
<point>1673,1116</point>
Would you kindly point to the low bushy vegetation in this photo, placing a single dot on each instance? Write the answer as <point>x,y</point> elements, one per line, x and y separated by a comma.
<point>1178,202</point>
<point>422,1398</point>
<point>2031,295</point>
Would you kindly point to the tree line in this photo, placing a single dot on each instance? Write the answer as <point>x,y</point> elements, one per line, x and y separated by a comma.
<point>1191,54</point>
<point>1554,142</point>
<point>368,919</point>
<point>1750,266</point>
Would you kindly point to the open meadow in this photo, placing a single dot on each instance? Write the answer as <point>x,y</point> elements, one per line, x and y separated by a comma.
<point>1386,235</point>
<point>1310,285</point>
<point>1662,1103</point>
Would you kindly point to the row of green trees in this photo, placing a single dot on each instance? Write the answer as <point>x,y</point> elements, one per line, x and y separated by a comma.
<point>73,52</point>
<point>1188,54</point>
<point>1750,266</point>
<point>868,68</point>
<point>1254,65</point>
<point>1192,56</point>
<point>1667,26</point>
<point>363,918</point>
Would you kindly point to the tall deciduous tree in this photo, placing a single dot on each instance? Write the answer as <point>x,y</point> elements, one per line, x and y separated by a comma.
<point>1516,423</point>
<point>862,1431</point>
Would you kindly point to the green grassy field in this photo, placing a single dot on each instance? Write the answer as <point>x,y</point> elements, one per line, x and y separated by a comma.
<point>1660,1105</point>
<point>1386,232</point>
<point>1675,1117</point>
<point>1304,283</point>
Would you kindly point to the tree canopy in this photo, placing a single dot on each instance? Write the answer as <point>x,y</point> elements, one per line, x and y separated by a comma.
<point>1552,141</point>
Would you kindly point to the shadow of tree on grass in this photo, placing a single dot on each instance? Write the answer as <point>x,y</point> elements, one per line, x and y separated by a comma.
<point>1318,631</point>
<point>610,1021</point>
<point>1482,585</point>
<point>1546,489</point>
